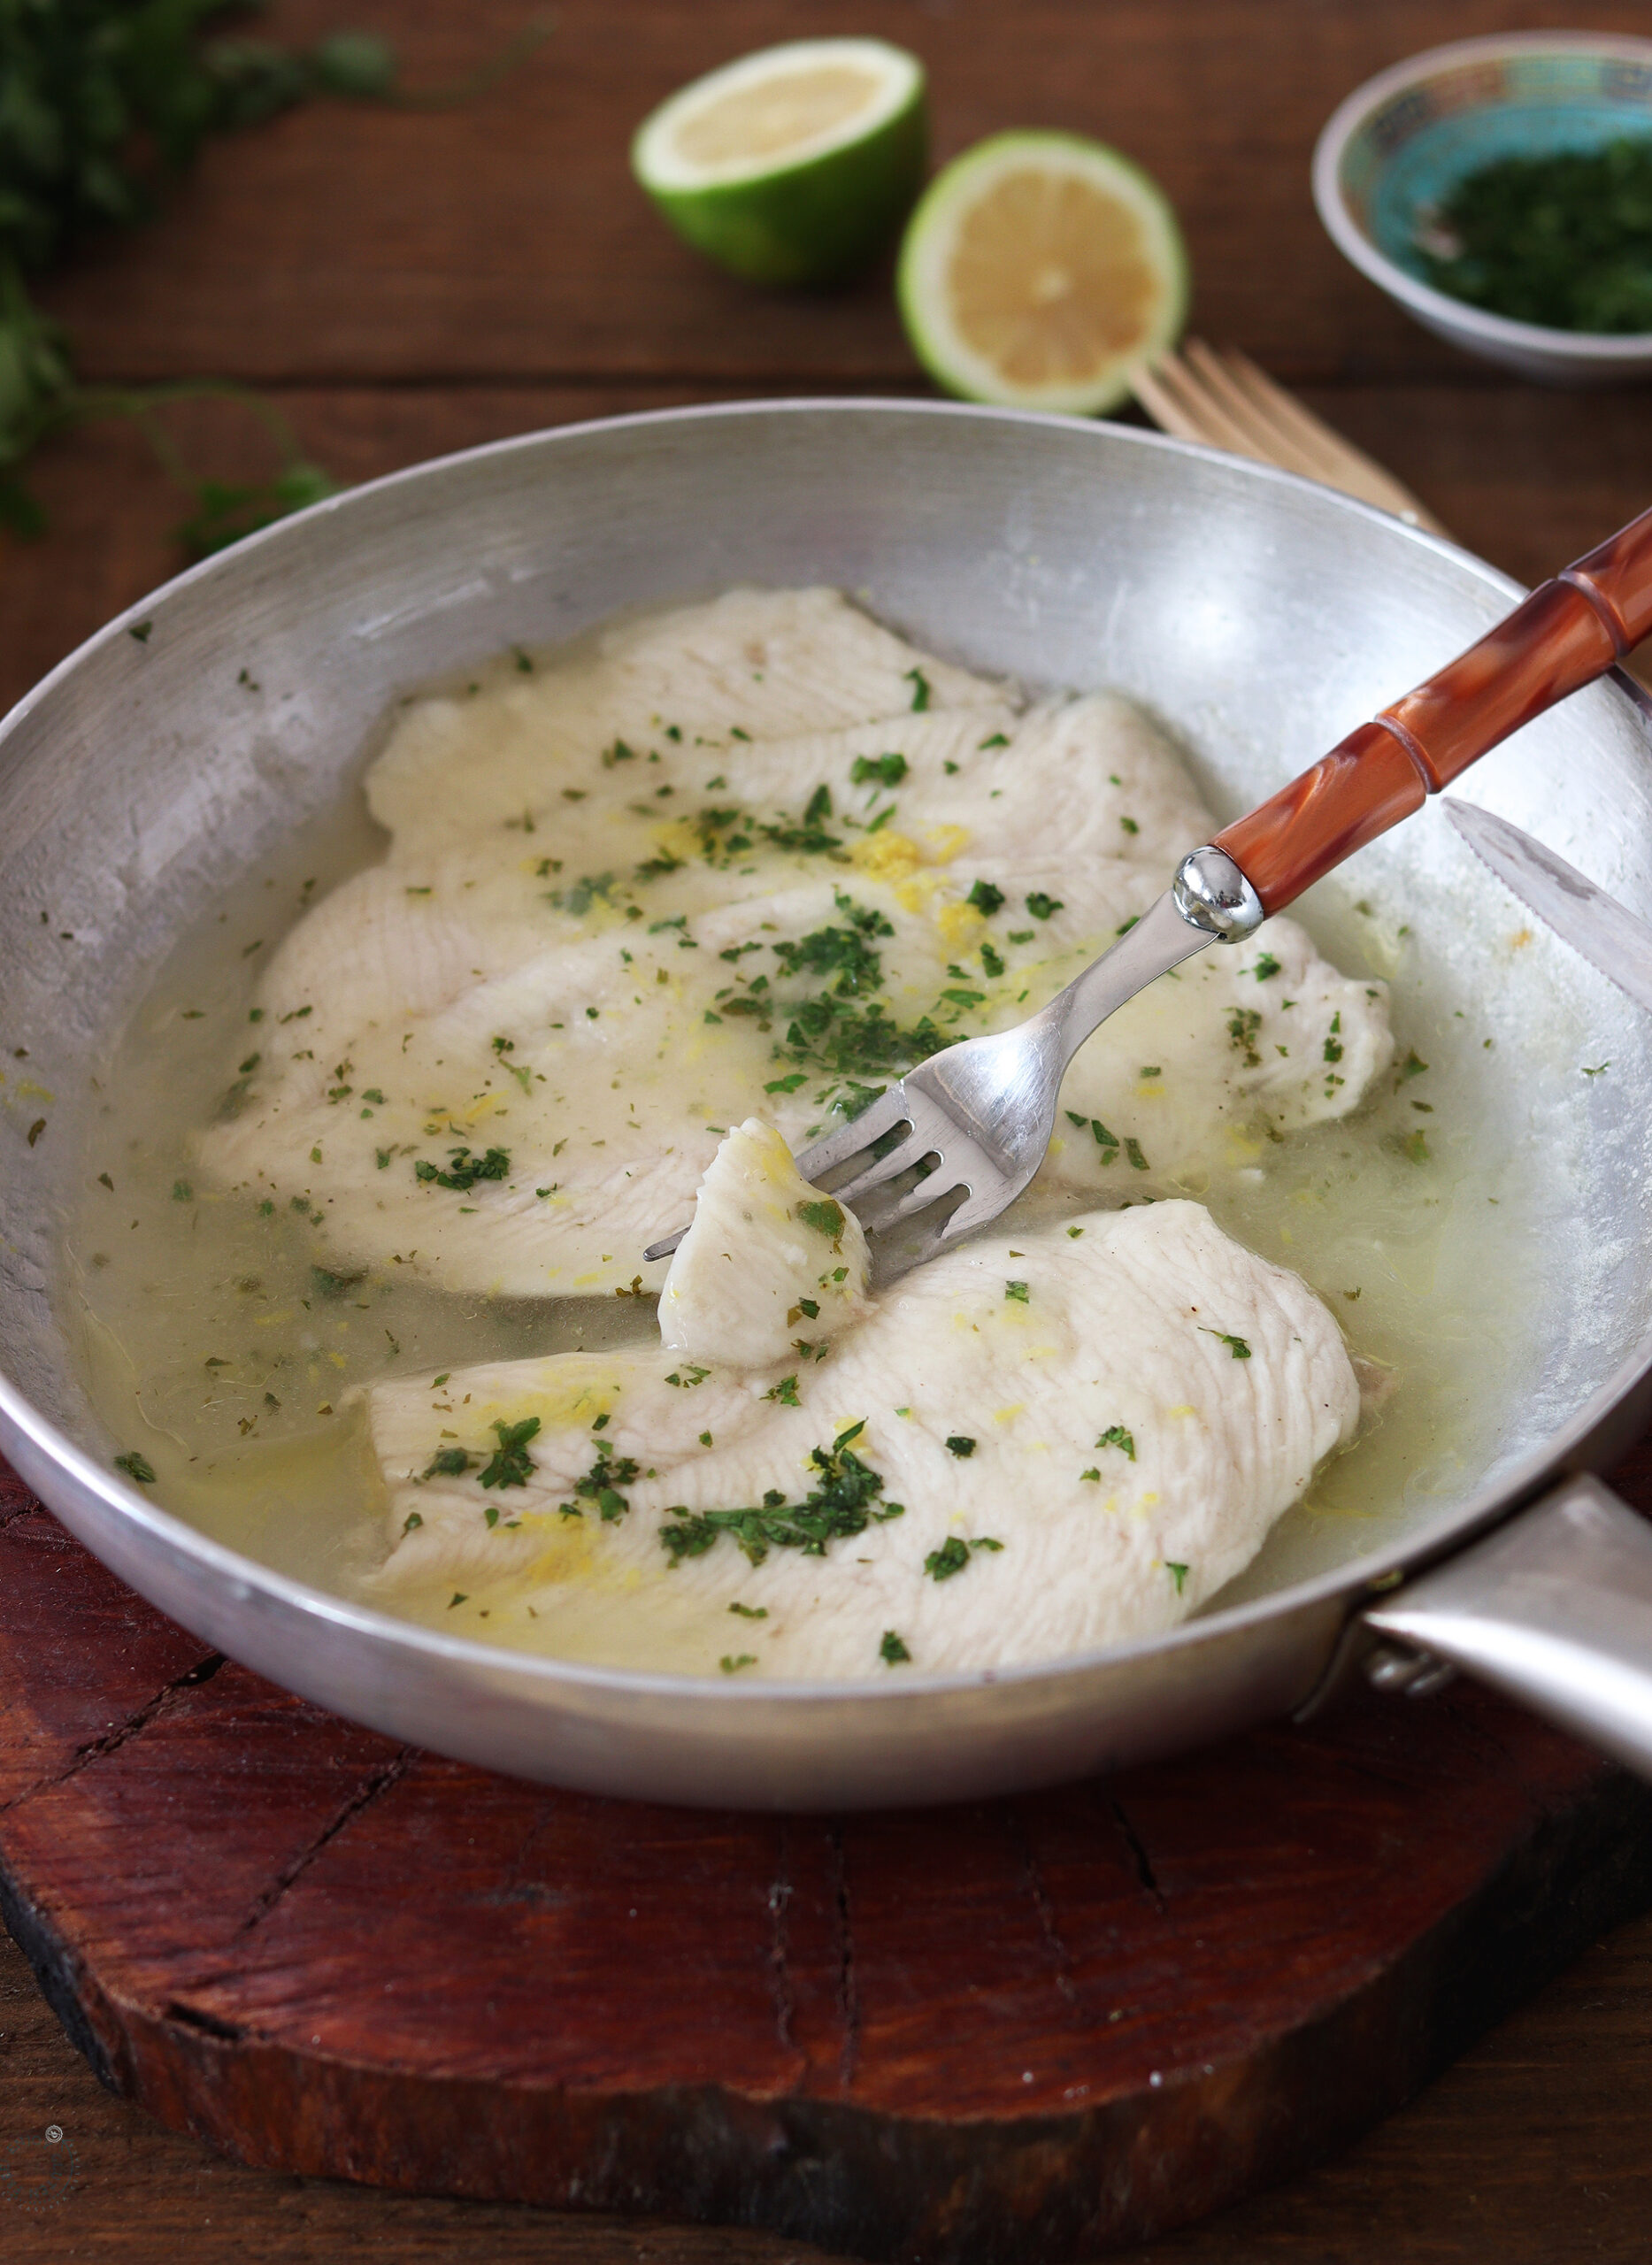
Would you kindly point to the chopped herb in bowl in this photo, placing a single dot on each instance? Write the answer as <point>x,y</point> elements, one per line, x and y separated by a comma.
<point>1562,239</point>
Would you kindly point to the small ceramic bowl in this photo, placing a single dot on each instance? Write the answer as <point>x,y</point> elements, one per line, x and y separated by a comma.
<point>1403,141</point>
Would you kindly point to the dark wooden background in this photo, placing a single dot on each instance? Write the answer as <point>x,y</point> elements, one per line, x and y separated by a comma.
<point>406,283</point>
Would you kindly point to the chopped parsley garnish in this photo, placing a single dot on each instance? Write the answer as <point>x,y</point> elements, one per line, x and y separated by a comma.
<point>842,1504</point>
<point>986,897</point>
<point>1042,906</point>
<point>919,683</point>
<point>136,1466</point>
<point>820,806</point>
<point>1132,1149</point>
<point>843,953</point>
<point>1411,1067</point>
<point>447,1463</point>
<point>1333,1044</point>
<point>959,1446</point>
<point>689,1376</point>
<point>1116,1436</point>
<point>465,1170</point>
<point>601,1485</point>
<point>992,961</point>
<point>1236,1346</point>
<point>511,1464</point>
<point>878,770</point>
<point>892,1651</point>
<point>785,1392</point>
<point>825,1217</point>
<point>954,1554</point>
<point>1243,1024</point>
<point>1412,1146</point>
<point>1562,238</point>
<point>750,1611</point>
<point>1106,1141</point>
<point>1016,1291</point>
<point>326,1285</point>
<point>993,739</point>
<point>732,1663</point>
<point>1267,965</point>
<point>1129,826</point>
<point>1178,1573</point>
<point>577,899</point>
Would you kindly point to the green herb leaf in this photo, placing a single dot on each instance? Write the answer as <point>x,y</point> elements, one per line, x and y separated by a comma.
<point>511,1464</point>
<point>824,1217</point>
<point>1236,1346</point>
<point>876,771</point>
<point>842,1504</point>
<point>952,1556</point>
<point>465,1170</point>
<point>448,1463</point>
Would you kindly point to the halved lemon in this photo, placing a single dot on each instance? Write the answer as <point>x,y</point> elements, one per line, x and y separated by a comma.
<point>1040,270</point>
<point>794,164</point>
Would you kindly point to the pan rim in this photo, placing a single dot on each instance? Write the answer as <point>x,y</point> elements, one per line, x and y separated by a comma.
<point>1346,1585</point>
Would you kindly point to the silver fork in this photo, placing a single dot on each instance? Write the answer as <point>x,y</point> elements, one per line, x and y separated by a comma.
<point>978,1117</point>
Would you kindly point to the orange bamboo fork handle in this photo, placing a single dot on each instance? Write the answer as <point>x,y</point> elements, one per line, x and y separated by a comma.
<point>1565,634</point>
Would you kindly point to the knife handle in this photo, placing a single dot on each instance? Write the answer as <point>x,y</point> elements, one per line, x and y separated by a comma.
<point>1565,634</point>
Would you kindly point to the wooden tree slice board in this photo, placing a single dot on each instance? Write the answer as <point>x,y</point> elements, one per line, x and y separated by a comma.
<point>1015,2032</point>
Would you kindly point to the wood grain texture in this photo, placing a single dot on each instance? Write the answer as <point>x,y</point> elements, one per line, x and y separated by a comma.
<point>507,239</point>
<point>1013,2033</point>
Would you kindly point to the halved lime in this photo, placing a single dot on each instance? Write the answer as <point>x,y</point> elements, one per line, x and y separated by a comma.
<point>1040,270</point>
<point>794,164</point>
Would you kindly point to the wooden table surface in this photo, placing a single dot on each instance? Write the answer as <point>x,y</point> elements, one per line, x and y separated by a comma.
<point>406,283</point>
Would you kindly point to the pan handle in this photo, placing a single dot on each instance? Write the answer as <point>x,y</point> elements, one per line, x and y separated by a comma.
<point>1555,1609</point>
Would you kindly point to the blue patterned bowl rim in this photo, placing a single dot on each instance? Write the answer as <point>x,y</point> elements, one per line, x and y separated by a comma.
<point>1470,80</point>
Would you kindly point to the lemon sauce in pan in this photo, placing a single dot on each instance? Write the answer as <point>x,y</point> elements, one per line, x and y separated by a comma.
<point>224,1340</point>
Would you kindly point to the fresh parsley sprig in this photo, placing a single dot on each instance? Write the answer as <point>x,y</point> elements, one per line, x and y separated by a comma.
<point>105,104</point>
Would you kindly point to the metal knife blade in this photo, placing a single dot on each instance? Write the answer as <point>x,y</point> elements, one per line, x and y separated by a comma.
<point>1580,913</point>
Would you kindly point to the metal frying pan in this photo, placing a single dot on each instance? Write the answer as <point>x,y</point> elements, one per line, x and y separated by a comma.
<point>1260,617</point>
